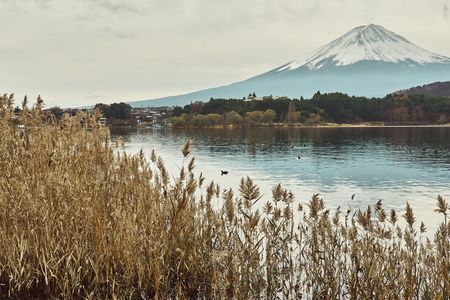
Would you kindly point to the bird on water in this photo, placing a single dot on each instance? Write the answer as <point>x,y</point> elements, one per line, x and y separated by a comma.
<point>223,172</point>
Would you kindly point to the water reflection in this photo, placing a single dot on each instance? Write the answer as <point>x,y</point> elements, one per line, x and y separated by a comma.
<point>397,164</point>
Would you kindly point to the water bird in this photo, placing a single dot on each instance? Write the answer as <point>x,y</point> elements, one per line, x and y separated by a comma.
<point>424,149</point>
<point>223,172</point>
<point>353,196</point>
<point>299,157</point>
<point>436,152</point>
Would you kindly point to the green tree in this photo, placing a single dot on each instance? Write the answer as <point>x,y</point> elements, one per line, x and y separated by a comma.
<point>254,118</point>
<point>56,111</point>
<point>200,120</point>
<point>187,119</point>
<point>233,118</point>
<point>269,116</point>
<point>313,119</point>
<point>214,119</point>
<point>121,111</point>
<point>177,121</point>
<point>177,111</point>
<point>103,108</point>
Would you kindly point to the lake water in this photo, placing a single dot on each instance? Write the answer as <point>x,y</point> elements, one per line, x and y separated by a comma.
<point>395,164</point>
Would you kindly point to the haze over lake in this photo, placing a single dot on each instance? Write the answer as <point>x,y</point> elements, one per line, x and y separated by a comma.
<point>395,164</point>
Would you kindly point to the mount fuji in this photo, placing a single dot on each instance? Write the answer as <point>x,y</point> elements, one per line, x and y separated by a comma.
<point>367,61</point>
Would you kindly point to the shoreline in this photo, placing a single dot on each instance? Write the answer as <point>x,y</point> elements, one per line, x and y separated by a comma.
<point>298,125</point>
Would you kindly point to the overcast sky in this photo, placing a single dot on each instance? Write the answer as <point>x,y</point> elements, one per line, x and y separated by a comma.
<point>78,52</point>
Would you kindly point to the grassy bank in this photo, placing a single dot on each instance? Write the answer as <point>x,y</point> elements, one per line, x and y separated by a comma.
<point>80,220</point>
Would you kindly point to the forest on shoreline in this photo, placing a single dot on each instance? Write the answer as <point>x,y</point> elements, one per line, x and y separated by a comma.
<point>335,108</point>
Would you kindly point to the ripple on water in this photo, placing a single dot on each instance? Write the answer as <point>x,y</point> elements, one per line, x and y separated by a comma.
<point>373,163</point>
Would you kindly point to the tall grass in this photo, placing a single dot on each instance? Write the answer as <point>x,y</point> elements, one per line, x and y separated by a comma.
<point>80,220</point>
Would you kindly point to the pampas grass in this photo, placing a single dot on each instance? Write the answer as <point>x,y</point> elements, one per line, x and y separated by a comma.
<point>79,220</point>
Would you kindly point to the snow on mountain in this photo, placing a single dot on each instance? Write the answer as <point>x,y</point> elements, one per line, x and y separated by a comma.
<point>366,43</point>
<point>367,61</point>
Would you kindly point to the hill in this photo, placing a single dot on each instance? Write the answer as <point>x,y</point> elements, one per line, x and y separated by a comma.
<point>368,61</point>
<point>437,89</point>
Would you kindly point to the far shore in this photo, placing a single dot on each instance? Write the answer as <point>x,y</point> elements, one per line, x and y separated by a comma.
<point>299,125</point>
<point>368,125</point>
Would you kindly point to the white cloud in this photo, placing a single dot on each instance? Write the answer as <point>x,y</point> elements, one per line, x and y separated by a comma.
<point>138,49</point>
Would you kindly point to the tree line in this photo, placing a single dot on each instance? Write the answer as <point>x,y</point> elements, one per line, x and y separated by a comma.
<point>251,118</point>
<point>332,107</point>
<point>118,111</point>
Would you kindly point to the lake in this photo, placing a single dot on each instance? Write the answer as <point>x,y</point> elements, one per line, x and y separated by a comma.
<point>395,164</point>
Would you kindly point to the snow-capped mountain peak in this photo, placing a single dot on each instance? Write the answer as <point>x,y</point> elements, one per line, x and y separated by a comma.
<point>367,61</point>
<point>366,43</point>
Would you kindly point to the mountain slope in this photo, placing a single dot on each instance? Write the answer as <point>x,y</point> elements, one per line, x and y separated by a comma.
<point>366,43</point>
<point>436,89</point>
<point>367,61</point>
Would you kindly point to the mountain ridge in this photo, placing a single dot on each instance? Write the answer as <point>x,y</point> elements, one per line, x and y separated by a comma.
<point>367,43</point>
<point>435,89</point>
<point>366,61</point>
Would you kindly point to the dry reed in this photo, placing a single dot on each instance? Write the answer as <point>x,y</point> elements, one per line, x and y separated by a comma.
<point>80,221</point>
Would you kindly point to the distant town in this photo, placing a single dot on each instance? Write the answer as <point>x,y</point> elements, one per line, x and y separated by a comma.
<point>408,107</point>
<point>122,114</point>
